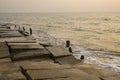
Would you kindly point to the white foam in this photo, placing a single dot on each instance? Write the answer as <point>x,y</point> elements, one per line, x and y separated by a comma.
<point>96,57</point>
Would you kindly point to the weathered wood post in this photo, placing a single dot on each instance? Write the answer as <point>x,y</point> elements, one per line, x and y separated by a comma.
<point>82,57</point>
<point>19,28</point>
<point>30,31</point>
<point>23,29</point>
<point>67,43</point>
<point>70,50</point>
<point>15,27</point>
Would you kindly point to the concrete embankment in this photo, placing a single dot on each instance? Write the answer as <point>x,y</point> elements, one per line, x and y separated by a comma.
<point>24,58</point>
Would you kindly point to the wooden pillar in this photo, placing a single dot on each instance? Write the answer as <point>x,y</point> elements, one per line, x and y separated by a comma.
<point>67,43</point>
<point>82,57</point>
<point>30,31</point>
<point>70,50</point>
<point>15,27</point>
<point>23,29</point>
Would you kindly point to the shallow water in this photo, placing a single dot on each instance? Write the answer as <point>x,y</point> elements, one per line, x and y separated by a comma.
<point>99,58</point>
<point>92,34</point>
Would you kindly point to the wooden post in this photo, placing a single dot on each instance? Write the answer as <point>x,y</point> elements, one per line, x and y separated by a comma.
<point>82,57</point>
<point>19,28</point>
<point>30,31</point>
<point>23,29</point>
<point>15,27</point>
<point>70,50</point>
<point>67,43</point>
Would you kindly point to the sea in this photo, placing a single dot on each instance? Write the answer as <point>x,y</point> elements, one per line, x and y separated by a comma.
<point>94,35</point>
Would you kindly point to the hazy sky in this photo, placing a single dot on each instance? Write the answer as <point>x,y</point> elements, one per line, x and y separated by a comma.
<point>59,5</point>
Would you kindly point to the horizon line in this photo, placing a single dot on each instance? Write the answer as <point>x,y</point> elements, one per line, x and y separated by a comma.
<point>69,12</point>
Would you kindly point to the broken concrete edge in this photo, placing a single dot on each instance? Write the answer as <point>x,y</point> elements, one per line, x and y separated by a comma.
<point>9,51</point>
<point>24,72</point>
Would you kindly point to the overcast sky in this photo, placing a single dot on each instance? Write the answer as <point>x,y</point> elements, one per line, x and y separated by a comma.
<point>59,5</point>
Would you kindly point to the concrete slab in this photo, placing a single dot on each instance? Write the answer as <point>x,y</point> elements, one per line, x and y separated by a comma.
<point>9,71</point>
<point>4,54</point>
<point>28,47</point>
<point>5,29</point>
<point>40,59</point>
<point>65,73</point>
<point>12,76</point>
<point>74,78</point>
<point>46,44</point>
<point>12,39</point>
<point>30,37</point>
<point>28,54</point>
<point>4,51</point>
<point>58,51</point>
<point>22,41</point>
<point>10,34</point>
<point>69,60</point>
<point>36,59</point>
<point>2,32</point>
<point>3,44</point>
<point>7,67</point>
<point>43,65</point>
<point>28,51</point>
<point>89,77</point>
<point>5,60</point>
<point>12,44</point>
<point>22,56</point>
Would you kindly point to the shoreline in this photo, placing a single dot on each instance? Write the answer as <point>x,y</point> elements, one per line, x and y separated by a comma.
<point>50,61</point>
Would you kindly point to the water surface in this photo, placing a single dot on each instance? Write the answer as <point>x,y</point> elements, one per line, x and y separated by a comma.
<point>95,35</point>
